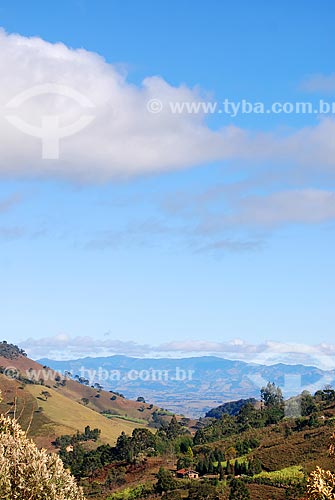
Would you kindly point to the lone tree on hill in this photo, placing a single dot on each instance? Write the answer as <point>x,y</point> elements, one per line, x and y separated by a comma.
<point>273,400</point>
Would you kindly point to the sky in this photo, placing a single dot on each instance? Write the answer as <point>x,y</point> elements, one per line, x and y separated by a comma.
<point>129,225</point>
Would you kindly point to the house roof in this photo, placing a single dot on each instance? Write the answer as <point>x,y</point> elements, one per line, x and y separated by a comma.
<point>186,471</point>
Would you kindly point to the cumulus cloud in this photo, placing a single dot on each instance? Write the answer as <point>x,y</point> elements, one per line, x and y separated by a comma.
<point>123,138</point>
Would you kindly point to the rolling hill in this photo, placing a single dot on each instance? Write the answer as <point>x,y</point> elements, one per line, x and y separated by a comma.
<point>50,405</point>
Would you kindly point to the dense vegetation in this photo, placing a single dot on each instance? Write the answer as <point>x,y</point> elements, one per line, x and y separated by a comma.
<point>231,408</point>
<point>227,454</point>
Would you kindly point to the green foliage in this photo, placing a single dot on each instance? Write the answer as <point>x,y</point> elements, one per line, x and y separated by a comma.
<point>202,491</point>
<point>137,492</point>
<point>141,441</point>
<point>110,414</point>
<point>238,490</point>
<point>88,434</point>
<point>225,427</point>
<point>165,481</point>
<point>246,445</point>
<point>174,429</point>
<point>307,404</point>
<point>273,400</point>
<point>272,395</point>
<point>231,408</point>
<point>250,417</point>
<point>283,476</point>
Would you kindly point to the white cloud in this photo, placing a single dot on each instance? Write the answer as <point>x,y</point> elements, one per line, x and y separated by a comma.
<point>319,83</point>
<point>227,219</point>
<point>304,206</point>
<point>64,346</point>
<point>124,139</point>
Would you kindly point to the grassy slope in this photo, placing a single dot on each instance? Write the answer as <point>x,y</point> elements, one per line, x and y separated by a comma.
<point>278,451</point>
<point>59,415</point>
<point>63,412</point>
<point>70,416</point>
<point>76,391</point>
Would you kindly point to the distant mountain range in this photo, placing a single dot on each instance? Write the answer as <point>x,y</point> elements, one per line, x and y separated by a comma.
<point>191,386</point>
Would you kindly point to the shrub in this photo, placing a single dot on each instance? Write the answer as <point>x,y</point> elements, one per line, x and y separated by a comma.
<point>27,473</point>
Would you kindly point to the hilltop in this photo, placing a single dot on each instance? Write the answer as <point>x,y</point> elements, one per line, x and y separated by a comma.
<point>10,351</point>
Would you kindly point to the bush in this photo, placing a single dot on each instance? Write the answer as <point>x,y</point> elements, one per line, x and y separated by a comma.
<point>27,473</point>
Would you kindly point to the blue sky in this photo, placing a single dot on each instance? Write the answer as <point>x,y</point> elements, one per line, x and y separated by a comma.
<point>165,234</point>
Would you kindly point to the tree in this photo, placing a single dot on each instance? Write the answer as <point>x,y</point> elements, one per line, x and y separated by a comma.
<point>272,395</point>
<point>255,466</point>
<point>186,460</point>
<point>142,440</point>
<point>27,473</point>
<point>229,468</point>
<point>221,471</point>
<point>238,490</point>
<point>165,481</point>
<point>273,400</point>
<point>46,395</point>
<point>202,491</point>
<point>308,405</point>
<point>123,447</point>
<point>174,428</point>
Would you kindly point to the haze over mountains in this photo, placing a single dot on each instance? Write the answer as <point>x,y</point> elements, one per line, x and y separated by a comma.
<point>191,386</point>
